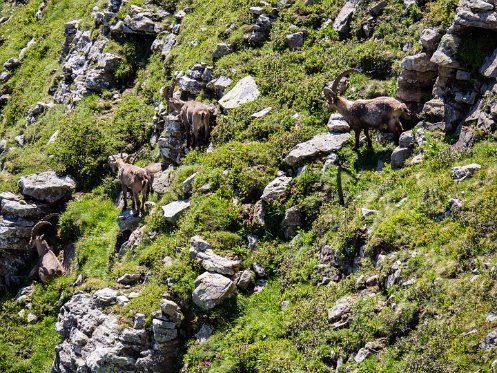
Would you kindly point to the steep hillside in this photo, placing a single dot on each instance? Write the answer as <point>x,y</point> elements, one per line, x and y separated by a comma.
<point>272,245</point>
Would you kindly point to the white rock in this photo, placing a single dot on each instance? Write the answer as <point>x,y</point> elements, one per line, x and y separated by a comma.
<point>244,91</point>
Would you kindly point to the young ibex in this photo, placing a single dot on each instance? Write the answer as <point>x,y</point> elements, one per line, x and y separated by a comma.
<point>380,113</point>
<point>132,178</point>
<point>48,265</point>
<point>194,115</point>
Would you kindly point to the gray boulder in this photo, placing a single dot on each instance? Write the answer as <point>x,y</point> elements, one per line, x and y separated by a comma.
<point>219,85</point>
<point>128,221</point>
<point>490,340</point>
<point>276,188</point>
<point>399,157</point>
<point>47,186</point>
<point>245,279</point>
<point>429,39</point>
<point>164,331</point>
<point>212,289</point>
<point>174,210</point>
<point>340,312</point>
<point>244,91</point>
<point>162,180</point>
<point>295,40</point>
<point>23,209</point>
<point>222,49</point>
<point>320,145</point>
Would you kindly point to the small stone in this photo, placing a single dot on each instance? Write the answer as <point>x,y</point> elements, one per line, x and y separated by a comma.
<point>259,286</point>
<point>246,278</point>
<point>461,173</point>
<point>139,322</point>
<point>174,210</point>
<point>32,318</point>
<point>122,300</point>
<point>188,183</point>
<point>362,355</point>
<point>258,269</point>
<point>261,114</point>
<point>295,40</point>
<point>367,212</point>
<point>204,333</point>
<point>276,188</point>
<point>128,278</point>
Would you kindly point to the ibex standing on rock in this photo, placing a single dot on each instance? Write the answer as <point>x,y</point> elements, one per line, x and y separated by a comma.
<point>132,178</point>
<point>194,115</point>
<point>380,113</point>
<point>48,265</point>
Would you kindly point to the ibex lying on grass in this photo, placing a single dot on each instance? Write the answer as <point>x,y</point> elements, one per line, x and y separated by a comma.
<point>380,113</point>
<point>132,178</point>
<point>48,265</point>
<point>194,115</point>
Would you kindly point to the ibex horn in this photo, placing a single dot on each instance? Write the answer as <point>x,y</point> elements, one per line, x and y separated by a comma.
<point>337,80</point>
<point>36,229</point>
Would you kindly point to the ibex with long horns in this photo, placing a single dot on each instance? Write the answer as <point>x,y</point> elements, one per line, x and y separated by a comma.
<point>380,113</point>
<point>48,265</point>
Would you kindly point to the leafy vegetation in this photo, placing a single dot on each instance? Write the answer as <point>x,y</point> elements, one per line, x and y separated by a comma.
<point>428,324</point>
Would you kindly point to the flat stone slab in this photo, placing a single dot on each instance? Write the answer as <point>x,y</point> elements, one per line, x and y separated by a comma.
<point>47,186</point>
<point>174,210</point>
<point>244,91</point>
<point>320,145</point>
<point>23,209</point>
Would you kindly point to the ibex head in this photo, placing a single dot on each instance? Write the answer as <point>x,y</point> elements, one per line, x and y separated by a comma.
<point>337,88</point>
<point>37,240</point>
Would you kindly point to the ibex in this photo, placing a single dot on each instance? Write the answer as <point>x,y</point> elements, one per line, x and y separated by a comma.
<point>48,265</point>
<point>380,113</point>
<point>132,178</point>
<point>193,114</point>
<point>151,170</point>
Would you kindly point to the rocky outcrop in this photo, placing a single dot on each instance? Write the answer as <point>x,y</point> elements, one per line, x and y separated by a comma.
<point>93,340</point>
<point>172,138</point>
<point>415,83</point>
<point>47,186</point>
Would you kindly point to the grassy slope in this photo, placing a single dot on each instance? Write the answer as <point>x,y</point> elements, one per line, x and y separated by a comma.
<point>425,329</point>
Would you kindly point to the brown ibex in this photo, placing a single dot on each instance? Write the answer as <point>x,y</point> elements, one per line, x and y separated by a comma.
<point>194,115</point>
<point>132,178</point>
<point>48,265</point>
<point>380,113</point>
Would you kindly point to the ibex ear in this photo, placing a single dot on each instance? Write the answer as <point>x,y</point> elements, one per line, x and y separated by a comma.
<point>329,95</point>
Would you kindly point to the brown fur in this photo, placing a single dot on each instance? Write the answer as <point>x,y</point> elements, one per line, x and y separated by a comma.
<point>48,265</point>
<point>380,113</point>
<point>134,179</point>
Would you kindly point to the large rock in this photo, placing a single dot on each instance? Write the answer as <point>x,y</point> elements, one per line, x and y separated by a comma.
<point>275,188</point>
<point>15,233</point>
<point>212,289</point>
<point>210,261</point>
<point>162,180</point>
<point>23,209</point>
<point>244,91</point>
<point>174,210</point>
<point>295,40</point>
<point>320,145</point>
<point>342,21</point>
<point>47,186</point>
